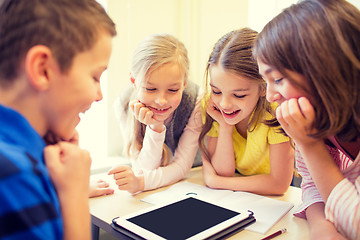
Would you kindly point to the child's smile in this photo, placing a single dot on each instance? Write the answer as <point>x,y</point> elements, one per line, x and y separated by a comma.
<point>230,115</point>
<point>234,96</point>
<point>159,110</point>
<point>162,91</point>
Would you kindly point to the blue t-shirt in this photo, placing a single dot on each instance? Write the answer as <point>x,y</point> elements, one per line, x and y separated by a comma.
<point>29,206</point>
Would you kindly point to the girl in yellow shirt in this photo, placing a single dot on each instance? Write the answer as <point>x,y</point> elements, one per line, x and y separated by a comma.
<point>240,132</point>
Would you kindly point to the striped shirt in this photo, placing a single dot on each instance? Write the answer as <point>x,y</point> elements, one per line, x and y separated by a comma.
<point>29,207</point>
<point>343,205</point>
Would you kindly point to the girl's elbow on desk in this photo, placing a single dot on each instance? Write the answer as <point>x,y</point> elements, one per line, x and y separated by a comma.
<point>280,186</point>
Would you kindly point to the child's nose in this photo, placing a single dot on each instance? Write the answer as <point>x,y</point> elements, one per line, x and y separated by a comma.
<point>271,94</point>
<point>99,95</point>
<point>161,100</point>
<point>225,103</point>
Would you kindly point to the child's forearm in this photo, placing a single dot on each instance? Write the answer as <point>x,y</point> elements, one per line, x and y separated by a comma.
<point>319,226</point>
<point>150,155</point>
<point>223,159</point>
<point>263,184</point>
<point>76,216</point>
<point>322,167</point>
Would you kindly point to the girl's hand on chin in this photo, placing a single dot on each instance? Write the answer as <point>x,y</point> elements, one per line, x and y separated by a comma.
<point>144,115</point>
<point>215,113</point>
<point>297,117</point>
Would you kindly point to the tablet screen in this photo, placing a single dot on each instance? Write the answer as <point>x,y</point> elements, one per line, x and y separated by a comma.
<point>183,219</point>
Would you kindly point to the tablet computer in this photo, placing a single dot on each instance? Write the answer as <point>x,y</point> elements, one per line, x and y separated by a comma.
<point>189,218</point>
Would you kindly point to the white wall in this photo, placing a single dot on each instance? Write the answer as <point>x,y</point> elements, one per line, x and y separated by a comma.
<point>262,11</point>
<point>356,3</point>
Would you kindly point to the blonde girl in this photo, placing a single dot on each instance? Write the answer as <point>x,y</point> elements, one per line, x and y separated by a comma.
<point>240,130</point>
<point>164,116</point>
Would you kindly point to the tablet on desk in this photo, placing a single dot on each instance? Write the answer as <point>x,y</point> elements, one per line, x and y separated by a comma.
<point>189,218</point>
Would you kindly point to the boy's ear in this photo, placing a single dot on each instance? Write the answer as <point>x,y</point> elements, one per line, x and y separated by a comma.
<point>37,62</point>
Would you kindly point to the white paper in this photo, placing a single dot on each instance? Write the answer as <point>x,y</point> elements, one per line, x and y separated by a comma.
<point>267,211</point>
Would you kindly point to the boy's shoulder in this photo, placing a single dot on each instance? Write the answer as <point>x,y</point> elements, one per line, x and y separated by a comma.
<point>14,159</point>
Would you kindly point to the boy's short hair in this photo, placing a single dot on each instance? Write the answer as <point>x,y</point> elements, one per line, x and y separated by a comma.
<point>67,27</point>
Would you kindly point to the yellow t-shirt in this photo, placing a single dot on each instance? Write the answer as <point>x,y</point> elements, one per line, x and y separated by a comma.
<point>252,153</point>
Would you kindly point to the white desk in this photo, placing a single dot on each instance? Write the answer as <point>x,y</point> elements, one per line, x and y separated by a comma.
<point>103,209</point>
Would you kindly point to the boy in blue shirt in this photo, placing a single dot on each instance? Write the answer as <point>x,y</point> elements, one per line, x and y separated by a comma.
<point>52,54</point>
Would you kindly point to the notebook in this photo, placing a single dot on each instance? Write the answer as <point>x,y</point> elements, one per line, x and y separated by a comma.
<point>188,218</point>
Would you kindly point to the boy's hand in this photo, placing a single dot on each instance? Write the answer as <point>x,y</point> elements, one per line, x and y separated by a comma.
<point>69,168</point>
<point>126,179</point>
<point>144,115</point>
<point>75,138</point>
<point>297,117</point>
<point>100,188</point>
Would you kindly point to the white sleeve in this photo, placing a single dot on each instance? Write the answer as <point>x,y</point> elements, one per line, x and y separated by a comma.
<point>150,154</point>
<point>310,193</point>
<point>183,157</point>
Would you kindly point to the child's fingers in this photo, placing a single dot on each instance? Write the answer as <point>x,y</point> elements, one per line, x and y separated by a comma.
<point>289,113</point>
<point>73,155</point>
<point>100,188</point>
<point>307,109</point>
<point>75,138</point>
<point>132,103</point>
<point>103,191</point>
<point>143,114</point>
<point>148,118</point>
<point>102,184</point>
<point>294,111</point>
<point>121,183</point>
<point>136,108</point>
<point>117,169</point>
<point>298,112</point>
<point>52,156</point>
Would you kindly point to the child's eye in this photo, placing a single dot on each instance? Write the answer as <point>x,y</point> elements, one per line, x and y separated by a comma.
<point>174,90</point>
<point>96,79</point>
<point>150,89</point>
<point>215,92</point>
<point>277,81</point>
<point>239,96</point>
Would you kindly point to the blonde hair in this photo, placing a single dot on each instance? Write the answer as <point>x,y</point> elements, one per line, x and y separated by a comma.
<point>150,54</point>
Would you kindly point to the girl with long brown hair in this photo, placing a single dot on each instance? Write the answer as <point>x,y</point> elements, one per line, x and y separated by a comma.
<point>309,55</point>
<point>240,133</point>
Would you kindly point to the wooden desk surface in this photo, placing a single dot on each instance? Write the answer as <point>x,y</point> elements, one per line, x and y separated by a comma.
<point>103,209</point>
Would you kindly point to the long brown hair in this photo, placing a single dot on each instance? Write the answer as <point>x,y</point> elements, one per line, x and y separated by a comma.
<point>320,40</point>
<point>233,52</point>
